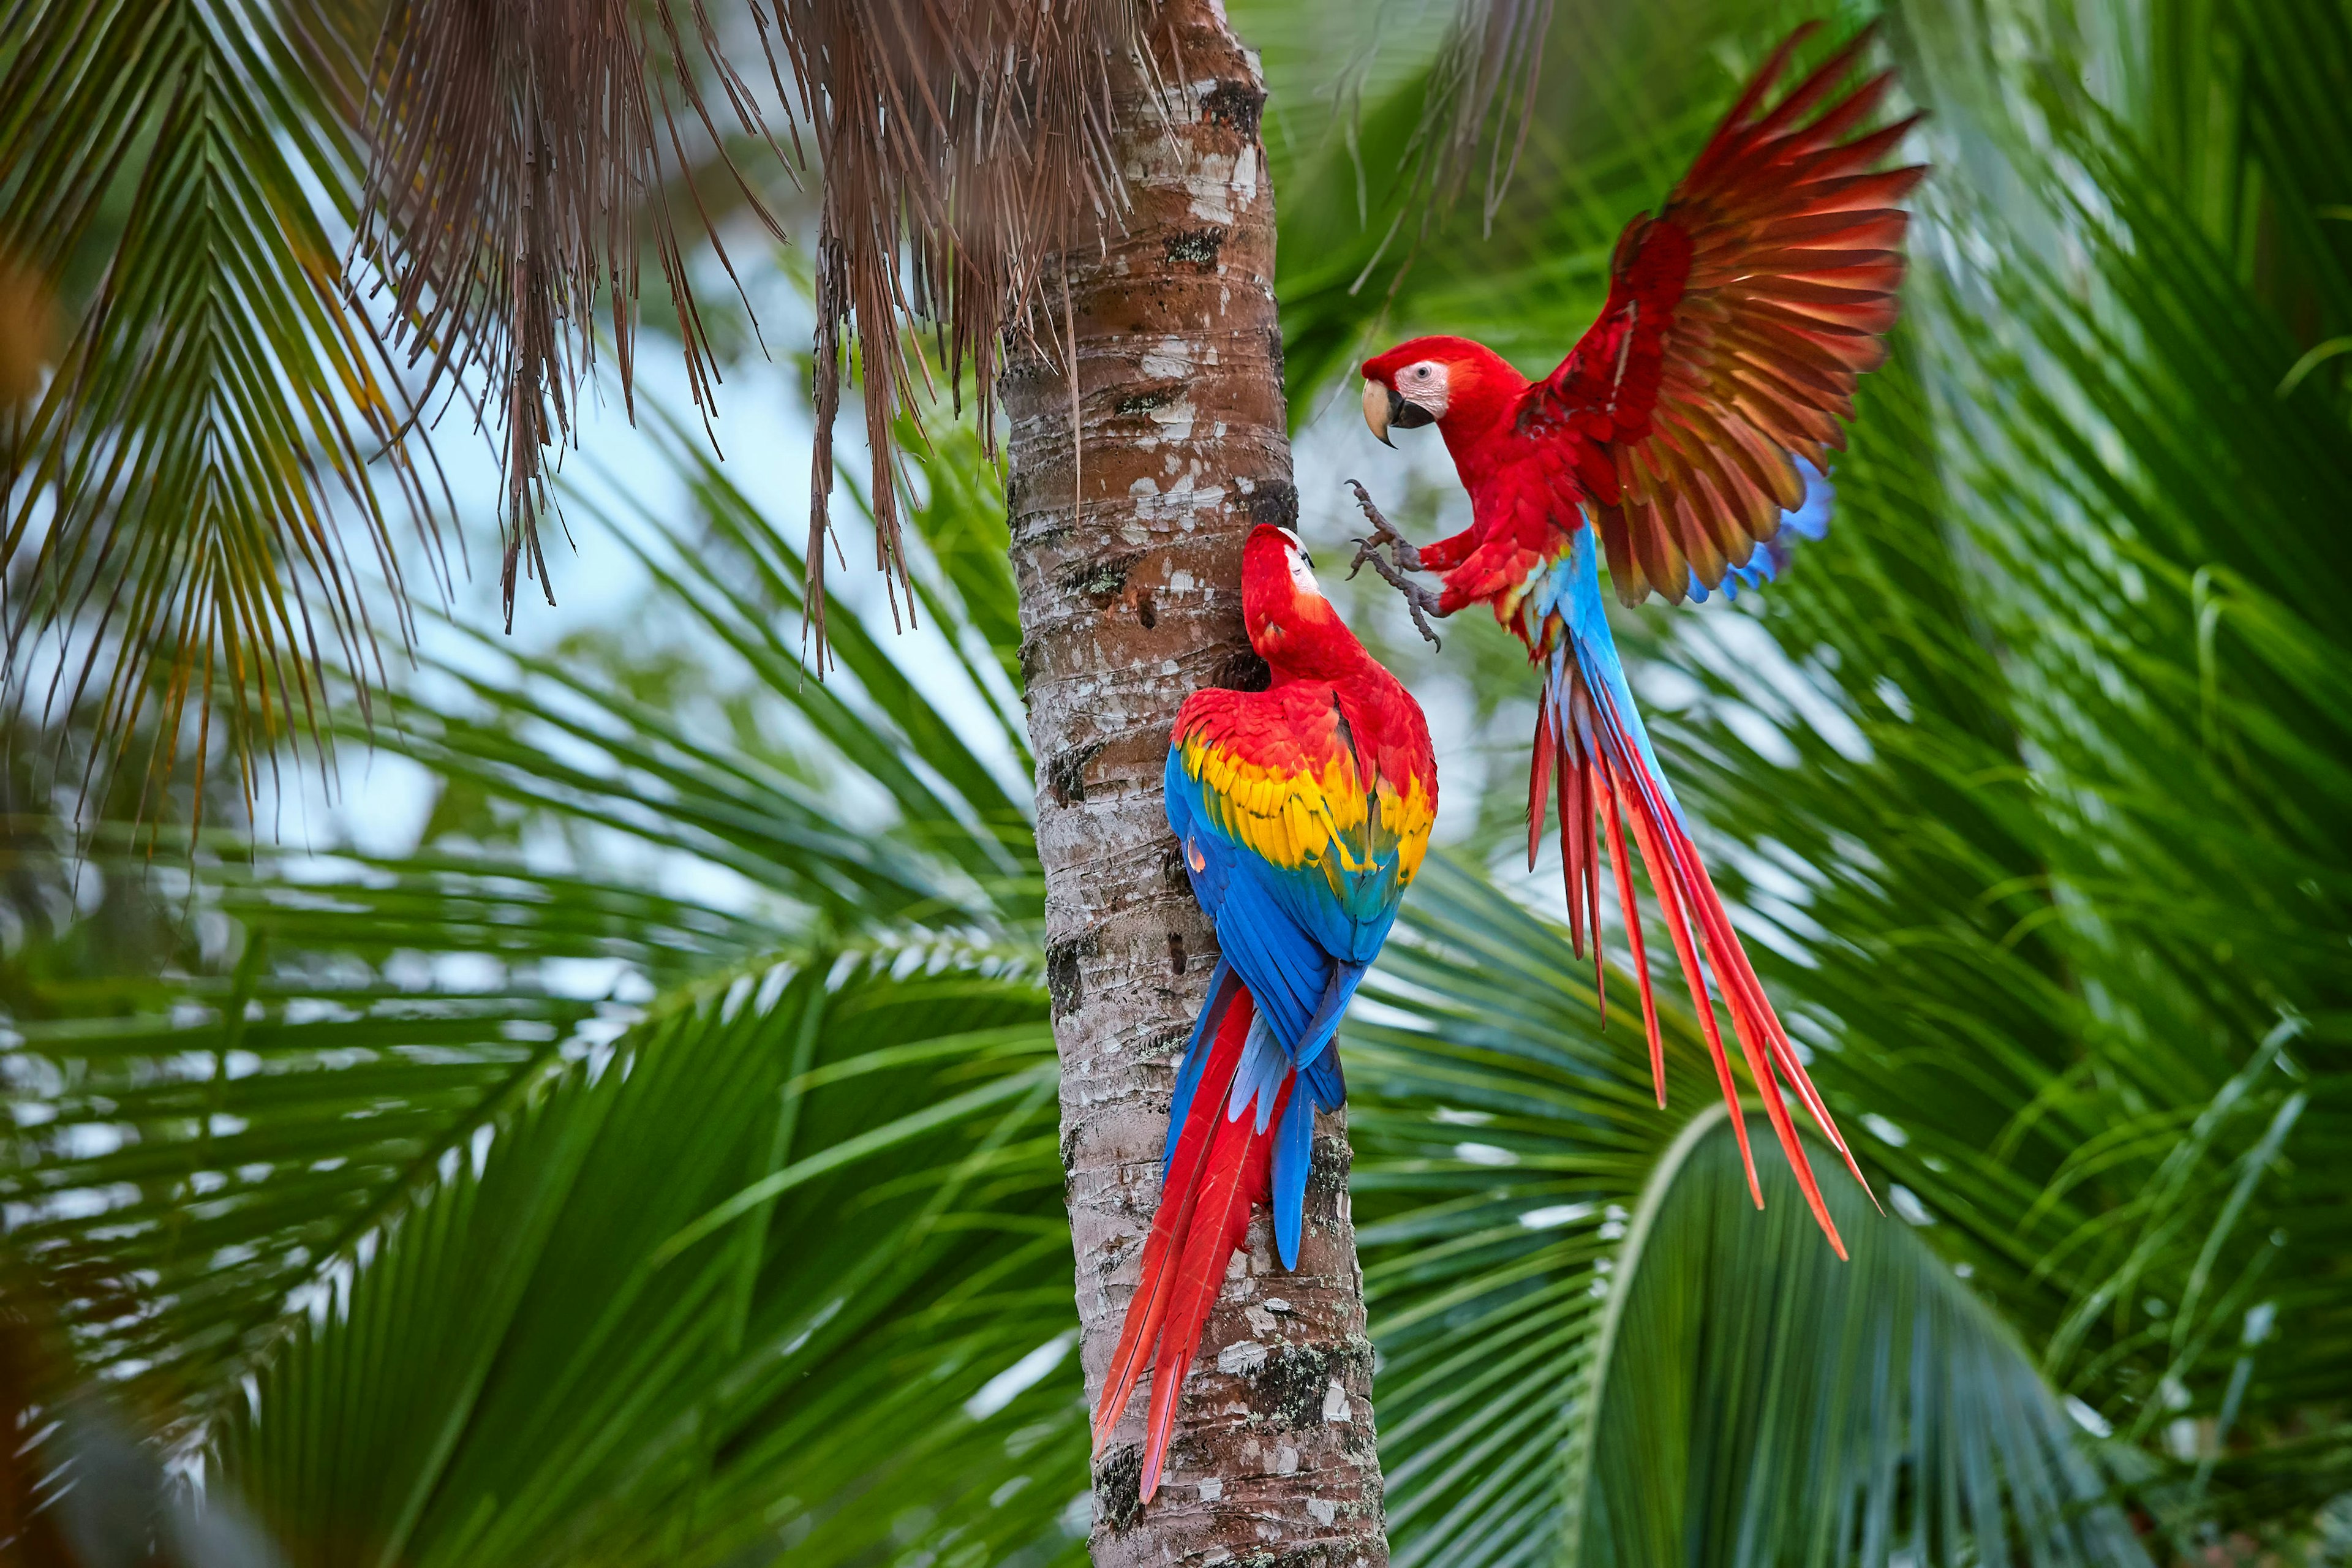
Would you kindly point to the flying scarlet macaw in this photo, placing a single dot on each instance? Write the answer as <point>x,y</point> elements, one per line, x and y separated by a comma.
<point>1685,437</point>
<point>1301,813</point>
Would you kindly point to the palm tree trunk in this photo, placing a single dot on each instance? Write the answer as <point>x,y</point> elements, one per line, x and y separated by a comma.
<point>1128,551</point>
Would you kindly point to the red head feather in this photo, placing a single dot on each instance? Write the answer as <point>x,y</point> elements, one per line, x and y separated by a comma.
<point>1467,357</point>
<point>1465,388</point>
<point>1291,624</point>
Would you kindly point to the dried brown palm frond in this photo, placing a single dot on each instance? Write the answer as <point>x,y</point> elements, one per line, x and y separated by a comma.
<point>517,145</point>
<point>28,331</point>
<point>1479,105</point>
<point>964,145</point>
<point>961,144</point>
<point>1482,97</point>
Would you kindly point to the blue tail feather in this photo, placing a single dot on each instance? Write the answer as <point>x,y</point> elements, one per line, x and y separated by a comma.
<point>1320,1088</point>
<point>1265,1068</point>
<point>1223,986</point>
<point>1572,592</point>
<point>1294,1153</point>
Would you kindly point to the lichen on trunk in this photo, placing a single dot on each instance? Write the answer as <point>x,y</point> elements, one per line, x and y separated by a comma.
<point>1127,546</point>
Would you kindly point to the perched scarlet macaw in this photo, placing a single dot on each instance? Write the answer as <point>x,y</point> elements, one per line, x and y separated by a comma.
<point>1686,434</point>
<point>1301,813</point>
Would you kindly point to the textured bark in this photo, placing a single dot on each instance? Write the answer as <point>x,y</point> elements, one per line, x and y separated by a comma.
<point>1130,600</point>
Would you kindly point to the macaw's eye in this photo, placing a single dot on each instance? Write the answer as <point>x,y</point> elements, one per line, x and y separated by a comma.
<point>1421,372</point>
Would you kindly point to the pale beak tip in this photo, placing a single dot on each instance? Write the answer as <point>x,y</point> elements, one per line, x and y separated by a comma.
<point>1376,412</point>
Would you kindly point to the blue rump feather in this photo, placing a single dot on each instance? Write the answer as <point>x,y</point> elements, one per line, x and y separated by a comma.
<point>1302,946</point>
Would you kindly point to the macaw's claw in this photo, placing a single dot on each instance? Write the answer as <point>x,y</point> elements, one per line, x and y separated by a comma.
<point>1408,559</point>
<point>1421,602</point>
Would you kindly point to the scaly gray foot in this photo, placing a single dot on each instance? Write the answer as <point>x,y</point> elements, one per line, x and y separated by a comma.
<point>1421,602</point>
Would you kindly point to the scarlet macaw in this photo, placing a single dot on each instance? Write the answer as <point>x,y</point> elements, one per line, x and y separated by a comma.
<point>1686,437</point>
<point>1301,813</point>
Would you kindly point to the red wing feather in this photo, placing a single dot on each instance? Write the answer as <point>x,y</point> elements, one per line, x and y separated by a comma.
<point>1739,320</point>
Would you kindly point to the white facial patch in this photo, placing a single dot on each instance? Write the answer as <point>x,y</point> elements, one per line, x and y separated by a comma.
<point>1422,384</point>
<point>1302,576</point>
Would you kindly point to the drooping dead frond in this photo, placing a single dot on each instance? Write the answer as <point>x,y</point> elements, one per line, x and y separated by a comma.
<point>965,143</point>
<point>517,144</point>
<point>962,145</point>
<point>1482,96</point>
<point>1480,104</point>
<point>28,332</point>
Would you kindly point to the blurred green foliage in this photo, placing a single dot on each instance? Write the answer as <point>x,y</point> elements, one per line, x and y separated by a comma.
<point>658,1162</point>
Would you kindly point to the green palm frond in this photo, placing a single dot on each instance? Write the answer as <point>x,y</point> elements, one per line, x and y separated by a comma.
<point>1594,1350</point>
<point>215,467</point>
<point>549,1360</point>
<point>780,787</point>
<point>201,1166</point>
<point>1750,1393</point>
<point>216,1139</point>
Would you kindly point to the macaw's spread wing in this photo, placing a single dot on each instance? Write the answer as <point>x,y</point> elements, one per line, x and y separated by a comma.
<point>1298,848</point>
<point>1738,320</point>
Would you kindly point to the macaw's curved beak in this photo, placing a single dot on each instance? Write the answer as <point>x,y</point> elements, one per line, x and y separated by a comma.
<point>1381,406</point>
<point>1385,406</point>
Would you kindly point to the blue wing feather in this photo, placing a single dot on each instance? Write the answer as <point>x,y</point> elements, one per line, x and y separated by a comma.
<point>1326,1081</point>
<point>1811,520</point>
<point>1345,975</point>
<point>1301,940</point>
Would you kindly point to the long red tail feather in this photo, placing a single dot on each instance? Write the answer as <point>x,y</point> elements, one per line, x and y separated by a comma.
<point>1540,802</point>
<point>1240,1175</point>
<point>1139,1335</point>
<point>1686,954</point>
<point>1579,865</point>
<point>1605,800</point>
<point>1221,1170</point>
<point>1599,769</point>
